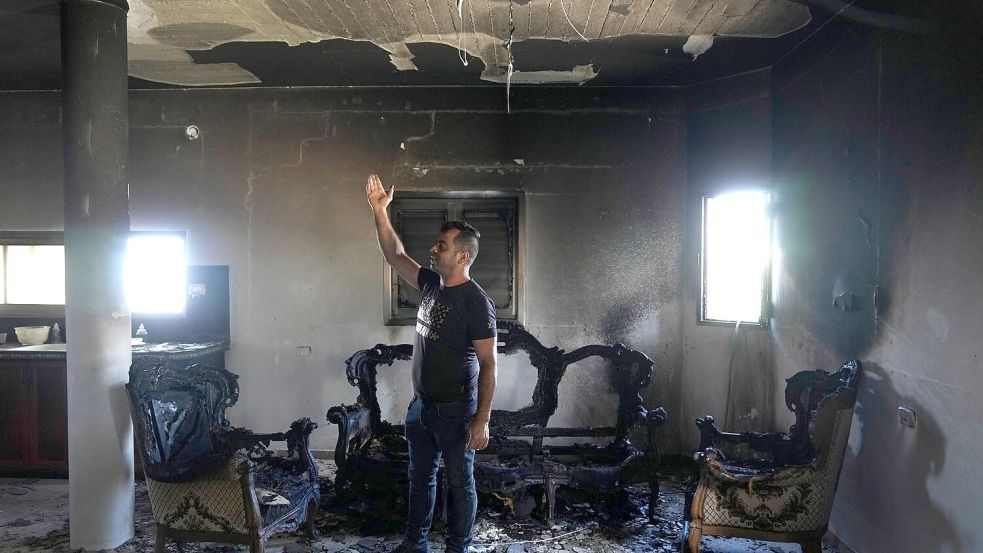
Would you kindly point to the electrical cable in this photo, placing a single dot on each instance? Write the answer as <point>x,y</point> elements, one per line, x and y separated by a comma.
<point>806,39</point>
<point>462,54</point>
<point>730,375</point>
<point>571,22</point>
<point>508,76</point>
<point>881,20</point>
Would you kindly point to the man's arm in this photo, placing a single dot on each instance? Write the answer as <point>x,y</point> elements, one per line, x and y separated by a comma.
<point>392,248</point>
<point>487,377</point>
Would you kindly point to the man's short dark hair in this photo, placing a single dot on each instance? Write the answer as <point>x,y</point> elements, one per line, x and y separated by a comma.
<point>466,240</point>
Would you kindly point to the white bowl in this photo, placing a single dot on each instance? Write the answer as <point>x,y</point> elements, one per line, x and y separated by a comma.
<point>32,335</point>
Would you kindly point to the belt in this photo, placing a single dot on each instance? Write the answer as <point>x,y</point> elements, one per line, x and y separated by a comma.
<point>436,402</point>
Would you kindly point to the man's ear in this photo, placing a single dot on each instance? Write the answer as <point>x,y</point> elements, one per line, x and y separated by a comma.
<point>466,258</point>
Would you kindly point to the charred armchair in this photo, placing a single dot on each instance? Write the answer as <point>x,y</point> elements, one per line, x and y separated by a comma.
<point>371,453</point>
<point>210,481</point>
<point>776,486</point>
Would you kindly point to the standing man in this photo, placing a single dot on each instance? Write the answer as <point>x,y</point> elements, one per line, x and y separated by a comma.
<point>454,368</point>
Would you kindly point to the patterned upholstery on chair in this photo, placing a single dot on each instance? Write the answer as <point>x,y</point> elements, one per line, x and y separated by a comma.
<point>203,473</point>
<point>212,502</point>
<point>754,497</point>
<point>793,499</point>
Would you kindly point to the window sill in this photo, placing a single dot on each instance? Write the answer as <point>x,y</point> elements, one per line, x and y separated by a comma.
<point>32,310</point>
<point>731,324</point>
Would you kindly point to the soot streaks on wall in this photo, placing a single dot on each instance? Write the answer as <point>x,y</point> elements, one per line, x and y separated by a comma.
<point>727,372</point>
<point>274,188</point>
<point>878,163</point>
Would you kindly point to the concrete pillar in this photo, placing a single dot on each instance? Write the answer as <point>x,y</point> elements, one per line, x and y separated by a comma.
<point>97,318</point>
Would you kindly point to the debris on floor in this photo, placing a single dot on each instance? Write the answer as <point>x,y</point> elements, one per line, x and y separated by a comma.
<point>34,519</point>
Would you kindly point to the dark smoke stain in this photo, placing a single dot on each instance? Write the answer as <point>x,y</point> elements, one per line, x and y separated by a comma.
<point>617,324</point>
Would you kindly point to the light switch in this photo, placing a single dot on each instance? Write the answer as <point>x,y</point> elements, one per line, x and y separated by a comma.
<point>304,351</point>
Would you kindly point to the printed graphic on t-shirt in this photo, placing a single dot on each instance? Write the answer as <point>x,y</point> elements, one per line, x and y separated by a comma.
<point>430,318</point>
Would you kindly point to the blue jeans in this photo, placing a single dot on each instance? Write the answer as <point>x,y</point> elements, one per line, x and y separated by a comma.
<point>433,430</point>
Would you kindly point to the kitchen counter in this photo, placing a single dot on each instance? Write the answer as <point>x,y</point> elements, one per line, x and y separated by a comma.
<point>170,350</point>
<point>34,399</point>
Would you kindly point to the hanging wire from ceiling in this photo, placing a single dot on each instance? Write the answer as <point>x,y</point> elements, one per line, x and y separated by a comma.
<point>571,22</point>
<point>508,76</point>
<point>462,54</point>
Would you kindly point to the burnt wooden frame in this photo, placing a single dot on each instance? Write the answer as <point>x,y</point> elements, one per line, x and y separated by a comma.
<point>368,448</point>
<point>803,393</point>
<point>769,452</point>
<point>193,437</point>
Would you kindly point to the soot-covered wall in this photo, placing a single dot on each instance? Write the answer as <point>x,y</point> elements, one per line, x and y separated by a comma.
<point>727,371</point>
<point>274,188</point>
<point>878,158</point>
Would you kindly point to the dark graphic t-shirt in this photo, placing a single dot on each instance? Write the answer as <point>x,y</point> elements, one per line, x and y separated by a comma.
<point>445,367</point>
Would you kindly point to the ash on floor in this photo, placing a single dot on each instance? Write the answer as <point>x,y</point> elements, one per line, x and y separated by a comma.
<point>34,519</point>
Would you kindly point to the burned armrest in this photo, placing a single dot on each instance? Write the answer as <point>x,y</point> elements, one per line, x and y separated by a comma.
<point>756,473</point>
<point>711,436</point>
<point>231,440</point>
<point>298,438</point>
<point>748,448</point>
<point>353,422</point>
<point>354,426</point>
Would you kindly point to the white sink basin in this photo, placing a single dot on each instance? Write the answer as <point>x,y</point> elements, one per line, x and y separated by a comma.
<point>42,347</point>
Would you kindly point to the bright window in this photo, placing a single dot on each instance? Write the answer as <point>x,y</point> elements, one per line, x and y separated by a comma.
<point>32,272</point>
<point>155,273</point>
<point>736,257</point>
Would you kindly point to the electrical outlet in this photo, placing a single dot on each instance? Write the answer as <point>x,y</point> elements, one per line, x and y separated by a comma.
<point>906,417</point>
<point>197,289</point>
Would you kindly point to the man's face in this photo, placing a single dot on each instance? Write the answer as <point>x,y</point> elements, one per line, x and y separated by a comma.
<point>443,256</point>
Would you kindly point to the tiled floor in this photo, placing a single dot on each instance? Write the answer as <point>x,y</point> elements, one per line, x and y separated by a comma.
<point>34,519</point>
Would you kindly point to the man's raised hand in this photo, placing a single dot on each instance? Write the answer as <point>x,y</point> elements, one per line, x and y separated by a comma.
<point>377,195</point>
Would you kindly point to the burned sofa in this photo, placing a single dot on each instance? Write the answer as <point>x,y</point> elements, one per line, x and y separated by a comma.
<point>371,453</point>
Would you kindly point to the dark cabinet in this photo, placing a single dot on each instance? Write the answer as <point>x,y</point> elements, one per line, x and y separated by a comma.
<point>34,403</point>
<point>33,416</point>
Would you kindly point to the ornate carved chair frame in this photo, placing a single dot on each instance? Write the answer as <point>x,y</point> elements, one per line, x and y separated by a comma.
<point>370,449</point>
<point>776,486</point>
<point>210,481</point>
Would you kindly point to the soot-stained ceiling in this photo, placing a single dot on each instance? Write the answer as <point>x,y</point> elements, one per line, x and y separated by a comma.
<point>193,43</point>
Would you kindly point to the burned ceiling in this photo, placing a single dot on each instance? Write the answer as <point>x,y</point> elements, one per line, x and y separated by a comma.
<point>162,33</point>
<point>193,43</point>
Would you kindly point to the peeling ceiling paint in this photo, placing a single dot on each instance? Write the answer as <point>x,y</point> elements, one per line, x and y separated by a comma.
<point>163,32</point>
<point>697,44</point>
<point>579,74</point>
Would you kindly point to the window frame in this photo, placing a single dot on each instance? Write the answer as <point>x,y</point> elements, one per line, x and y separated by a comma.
<point>455,205</point>
<point>56,238</point>
<point>30,238</point>
<point>764,318</point>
